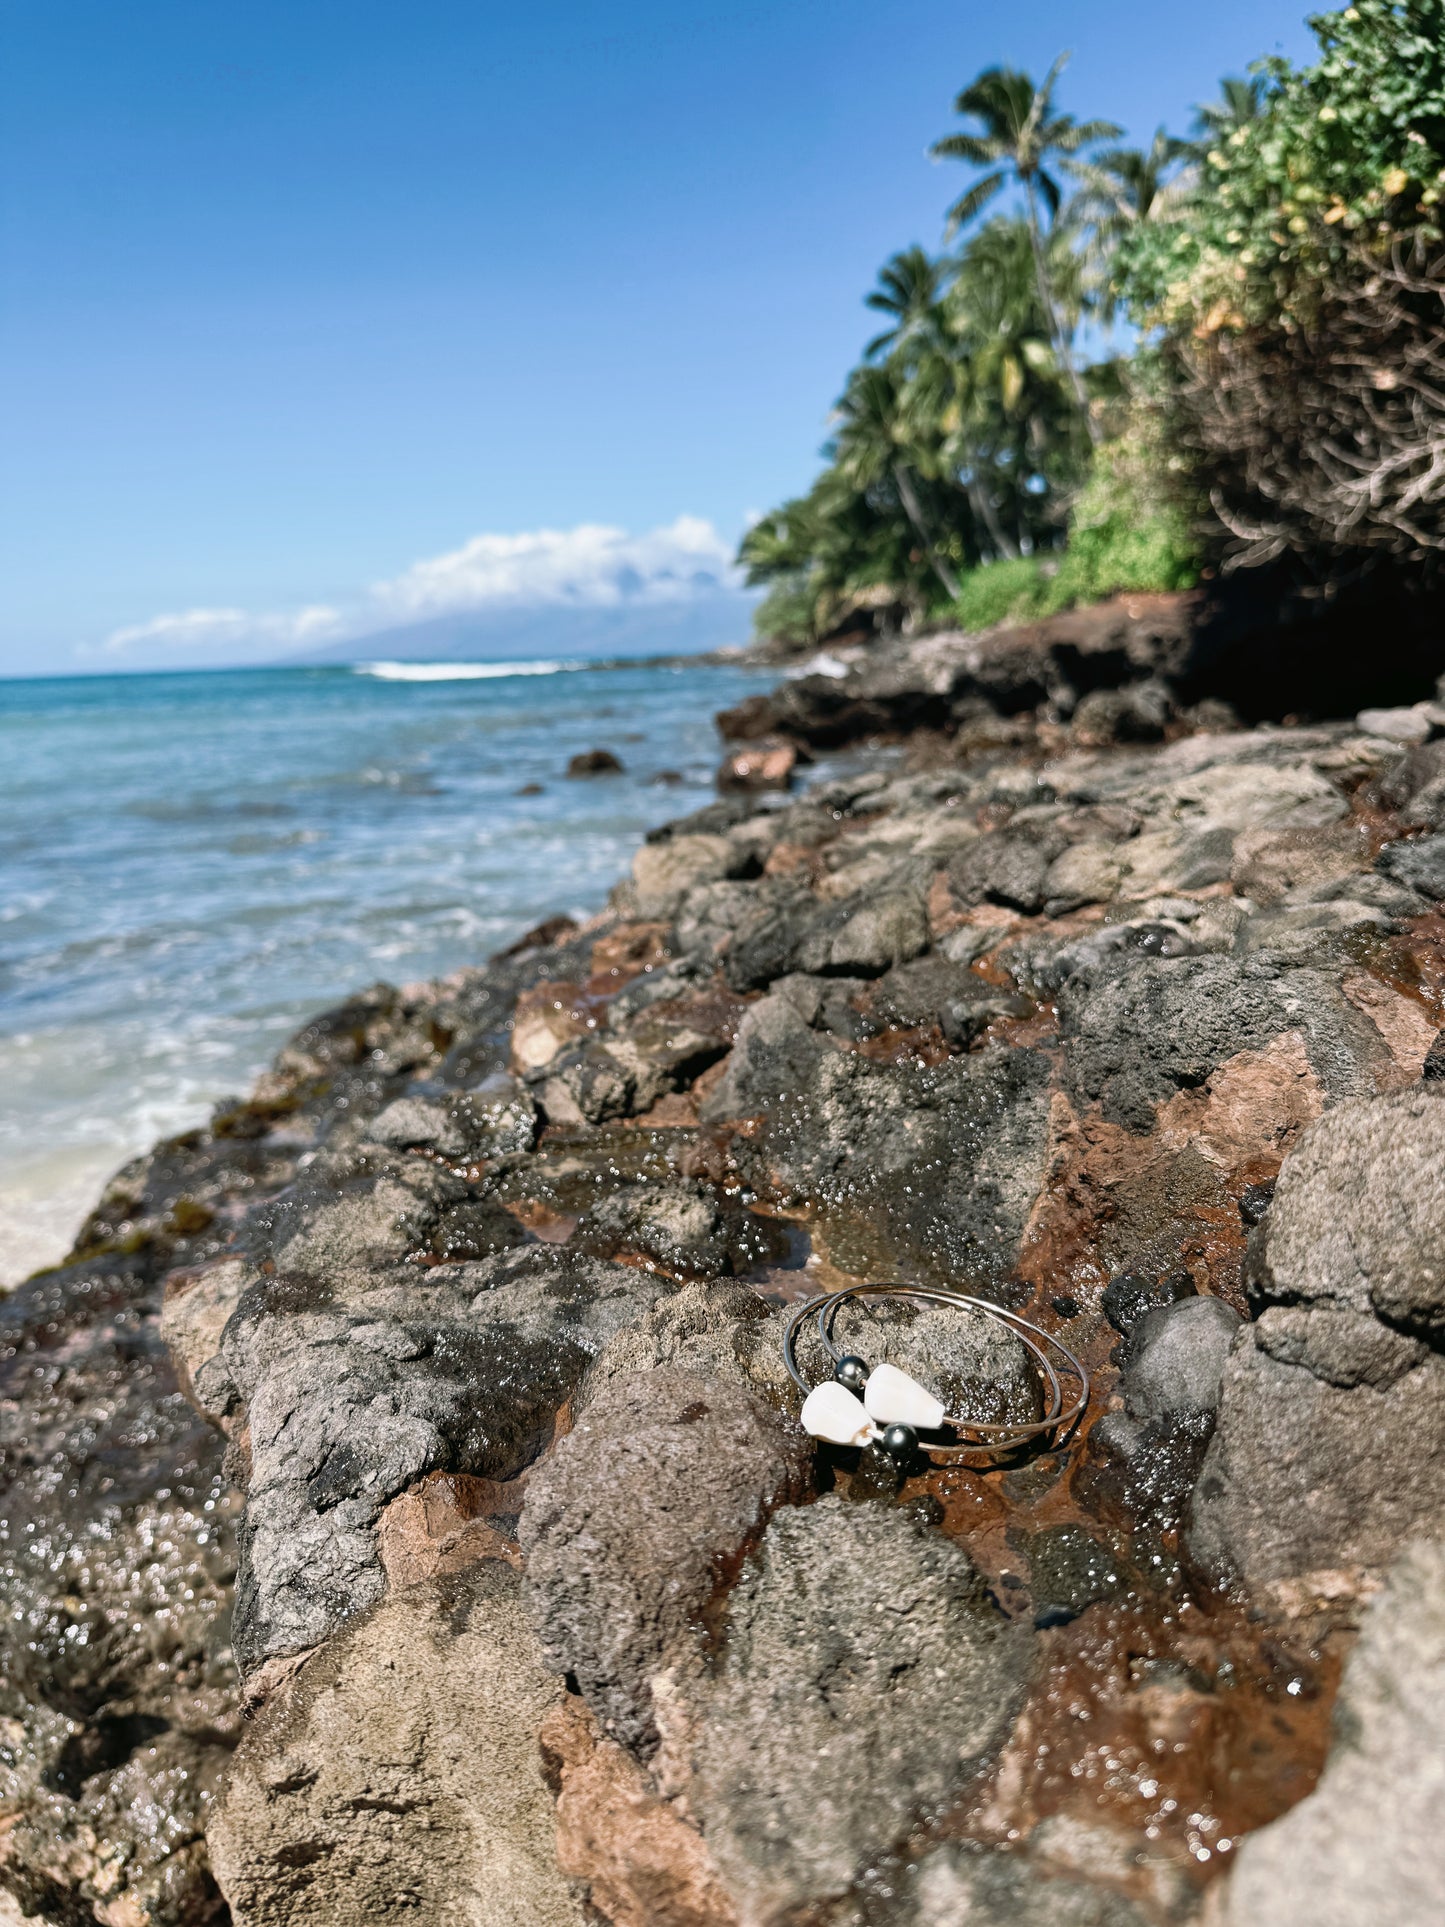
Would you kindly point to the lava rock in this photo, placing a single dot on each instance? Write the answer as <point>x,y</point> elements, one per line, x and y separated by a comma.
<point>1418,864</point>
<point>664,1480</point>
<point>930,1169</point>
<point>1332,1412</point>
<point>427,1705</point>
<point>594,762</point>
<point>357,1388</point>
<point>664,873</point>
<point>675,1225</point>
<point>1176,1357</point>
<point>854,1635</point>
<point>1070,1570</point>
<point>765,766</point>
<point>1142,1030</point>
<point>1364,1847</point>
<point>1128,1297</point>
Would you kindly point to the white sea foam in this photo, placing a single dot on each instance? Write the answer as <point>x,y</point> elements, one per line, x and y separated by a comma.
<point>459,671</point>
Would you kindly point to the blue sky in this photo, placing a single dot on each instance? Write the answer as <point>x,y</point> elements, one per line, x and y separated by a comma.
<point>297,299</point>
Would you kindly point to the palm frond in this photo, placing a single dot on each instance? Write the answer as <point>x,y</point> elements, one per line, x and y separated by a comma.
<point>976,199</point>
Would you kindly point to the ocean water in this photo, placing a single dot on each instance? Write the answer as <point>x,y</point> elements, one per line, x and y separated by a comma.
<point>191,864</point>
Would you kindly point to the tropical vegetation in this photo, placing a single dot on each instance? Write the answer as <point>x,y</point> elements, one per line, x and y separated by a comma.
<point>1280,276</point>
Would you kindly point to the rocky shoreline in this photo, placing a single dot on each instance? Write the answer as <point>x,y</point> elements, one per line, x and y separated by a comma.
<point>406,1515</point>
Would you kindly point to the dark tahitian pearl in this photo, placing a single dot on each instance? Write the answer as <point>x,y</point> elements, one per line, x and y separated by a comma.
<point>899,1442</point>
<point>851,1372</point>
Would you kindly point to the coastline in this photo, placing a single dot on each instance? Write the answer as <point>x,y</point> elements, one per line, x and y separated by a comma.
<point>169,922</point>
<point>1043,1006</point>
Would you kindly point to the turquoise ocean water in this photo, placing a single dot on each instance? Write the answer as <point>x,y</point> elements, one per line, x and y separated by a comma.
<point>192,863</point>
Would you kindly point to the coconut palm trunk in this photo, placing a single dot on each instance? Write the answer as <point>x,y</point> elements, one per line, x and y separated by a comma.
<point>913,510</point>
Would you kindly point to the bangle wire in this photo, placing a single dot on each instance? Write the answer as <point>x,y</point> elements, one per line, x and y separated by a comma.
<point>1059,1419</point>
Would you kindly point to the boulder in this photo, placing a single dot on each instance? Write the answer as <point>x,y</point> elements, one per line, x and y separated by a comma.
<point>594,762</point>
<point>665,872</point>
<point>1331,1421</point>
<point>864,1677</point>
<point>1175,1358</point>
<point>399,1774</point>
<point>1364,1847</point>
<point>357,1388</point>
<point>632,1521</point>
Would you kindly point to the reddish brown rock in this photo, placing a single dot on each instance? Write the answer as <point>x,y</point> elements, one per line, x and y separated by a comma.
<point>644,1864</point>
<point>763,766</point>
<point>446,1522</point>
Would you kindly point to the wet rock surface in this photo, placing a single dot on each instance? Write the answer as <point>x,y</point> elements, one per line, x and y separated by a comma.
<point>1365,1845</point>
<point>421,1424</point>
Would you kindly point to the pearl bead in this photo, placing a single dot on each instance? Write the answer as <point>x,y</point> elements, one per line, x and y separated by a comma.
<point>899,1442</point>
<point>851,1372</point>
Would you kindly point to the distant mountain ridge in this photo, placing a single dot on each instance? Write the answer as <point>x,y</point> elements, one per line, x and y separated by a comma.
<point>556,629</point>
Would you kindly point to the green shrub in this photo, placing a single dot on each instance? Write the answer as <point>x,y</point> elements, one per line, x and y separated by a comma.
<point>998,592</point>
<point>1347,151</point>
<point>1126,534</point>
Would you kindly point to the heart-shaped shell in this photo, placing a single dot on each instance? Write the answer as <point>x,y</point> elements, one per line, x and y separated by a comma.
<point>893,1398</point>
<point>831,1412</point>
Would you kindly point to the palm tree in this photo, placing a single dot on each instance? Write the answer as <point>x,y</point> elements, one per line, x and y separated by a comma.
<point>1125,185</point>
<point>1019,133</point>
<point>908,290</point>
<point>1239,103</point>
<point>1015,437</point>
<point>875,441</point>
<point>1119,189</point>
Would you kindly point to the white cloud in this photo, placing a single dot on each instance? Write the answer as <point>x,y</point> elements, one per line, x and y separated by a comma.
<point>224,629</point>
<point>591,566</point>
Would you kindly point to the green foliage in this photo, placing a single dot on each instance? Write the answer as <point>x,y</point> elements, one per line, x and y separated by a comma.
<point>1123,538</point>
<point>1000,592</point>
<point>1348,151</point>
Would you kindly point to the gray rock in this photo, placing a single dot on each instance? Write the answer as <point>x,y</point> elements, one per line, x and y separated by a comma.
<point>1176,1358</point>
<point>1364,1847</point>
<point>664,873</point>
<point>1308,933</point>
<point>864,1677</point>
<point>1418,864</point>
<point>717,1331</point>
<point>1358,1218</point>
<point>1412,785</point>
<point>1332,1413</point>
<point>1304,1475</point>
<point>1143,1029</point>
<point>933,1170</point>
<point>1007,867</point>
<point>418,1121</point>
<point>861,935</point>
<point>357,1388</point>
<point>959,1884</point>
<point>677,1226</point>
<point>399,1775</point>
<point>630,1524</point>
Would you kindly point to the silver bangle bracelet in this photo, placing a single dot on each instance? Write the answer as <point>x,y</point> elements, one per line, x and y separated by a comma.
<point>861,1404</point>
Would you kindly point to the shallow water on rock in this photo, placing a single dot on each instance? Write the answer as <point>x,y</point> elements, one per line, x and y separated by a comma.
<point>190,864</point>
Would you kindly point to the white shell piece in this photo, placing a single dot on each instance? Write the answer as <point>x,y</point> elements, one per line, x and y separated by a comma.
<point>831,1412</point>
<point>893,1398</point>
